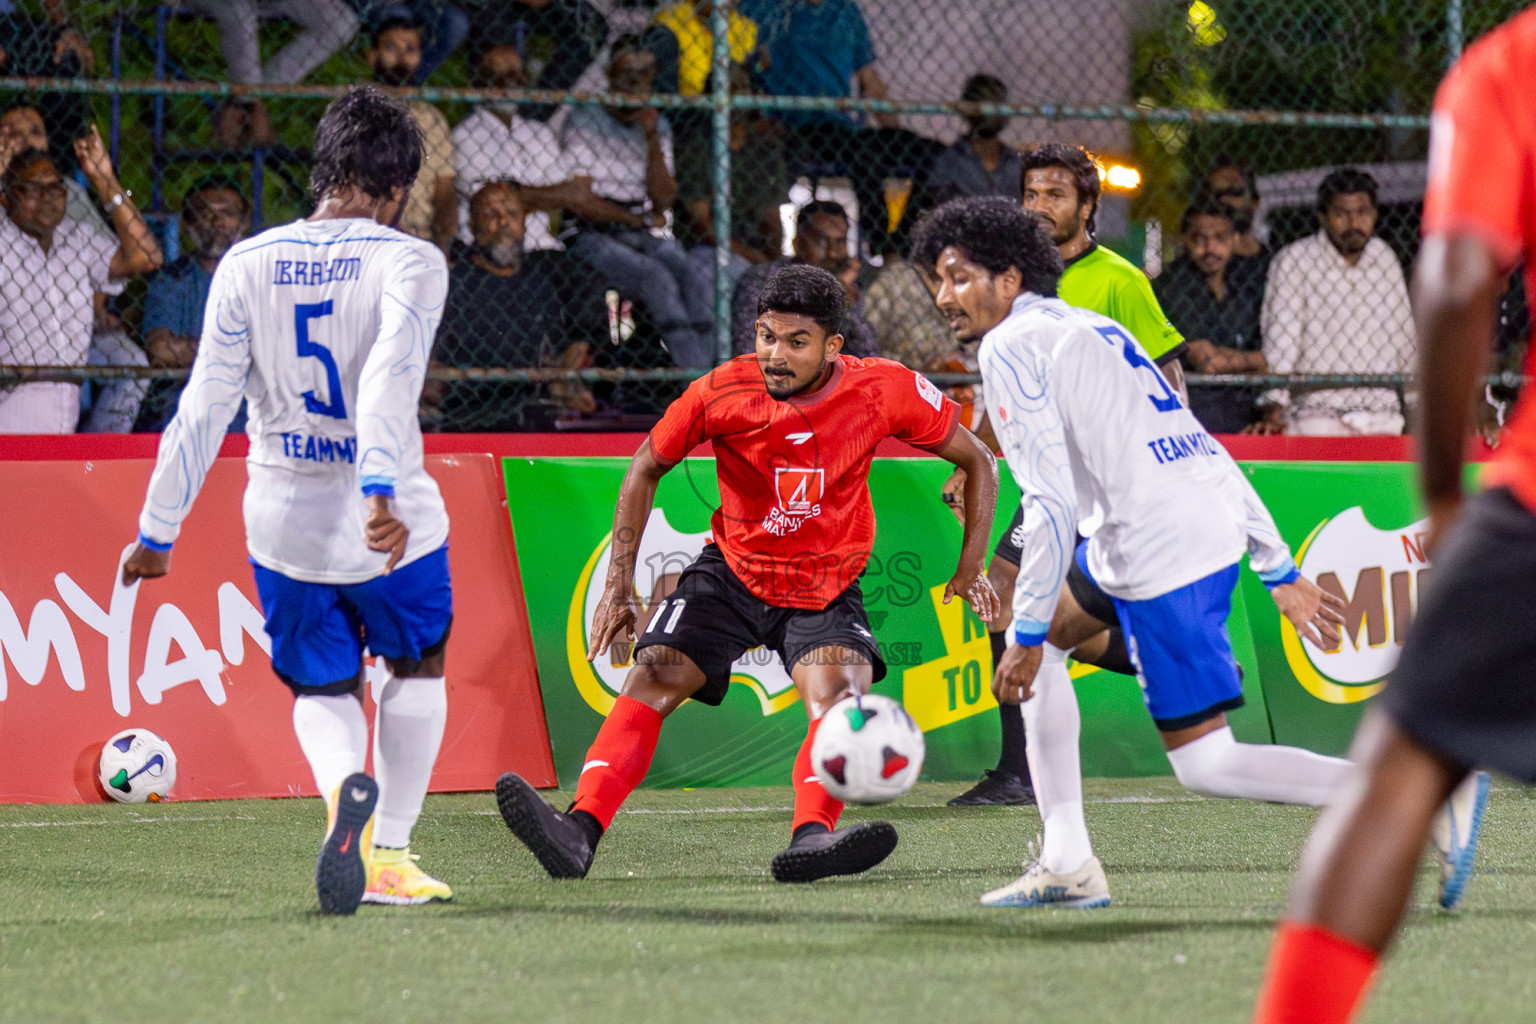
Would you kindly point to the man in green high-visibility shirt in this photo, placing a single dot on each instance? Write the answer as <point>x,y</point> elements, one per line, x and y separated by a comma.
<point>1061,186</point>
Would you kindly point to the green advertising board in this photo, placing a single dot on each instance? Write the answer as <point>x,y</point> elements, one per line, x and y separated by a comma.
<point>939,656</point>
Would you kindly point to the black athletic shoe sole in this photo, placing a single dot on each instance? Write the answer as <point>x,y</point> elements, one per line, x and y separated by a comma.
<point>533,821</point>
<point>341,876</point>
<point>854,850</point>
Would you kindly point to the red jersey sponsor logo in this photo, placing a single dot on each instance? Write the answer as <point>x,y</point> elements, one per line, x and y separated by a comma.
<point>799,495</point>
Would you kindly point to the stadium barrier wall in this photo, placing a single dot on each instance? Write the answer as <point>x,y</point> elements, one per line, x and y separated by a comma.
<point>186,656</point>
<point>73,502</point>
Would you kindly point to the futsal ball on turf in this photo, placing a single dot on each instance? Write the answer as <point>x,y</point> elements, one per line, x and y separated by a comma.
<point>868,750</point>
<point>137,766</point>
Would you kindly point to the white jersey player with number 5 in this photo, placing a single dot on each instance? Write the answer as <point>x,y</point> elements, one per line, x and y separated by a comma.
<point>325,327</point>
<point>1101,445</point>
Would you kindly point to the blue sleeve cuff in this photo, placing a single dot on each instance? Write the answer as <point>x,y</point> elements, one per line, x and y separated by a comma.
<point>153,545</point>
<point>1287,573</point>
<point>1030,634</point>
<point>373,485</point>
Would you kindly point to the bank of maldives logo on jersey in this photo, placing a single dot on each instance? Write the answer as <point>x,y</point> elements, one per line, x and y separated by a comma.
<point>1379,574</point>
<point>798,492</point>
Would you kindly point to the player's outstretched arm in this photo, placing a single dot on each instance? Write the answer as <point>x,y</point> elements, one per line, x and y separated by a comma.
<point>1455,292</point>
<point>614,619</point>
<point>970,581</point>
<point>192,439</point>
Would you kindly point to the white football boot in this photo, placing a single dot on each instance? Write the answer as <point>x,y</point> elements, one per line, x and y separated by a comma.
<point>1040,887</point>
<point>1455,834</point>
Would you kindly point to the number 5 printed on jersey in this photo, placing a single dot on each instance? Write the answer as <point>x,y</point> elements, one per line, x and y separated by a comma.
<point>1115,336</point>
<point>303,313</point>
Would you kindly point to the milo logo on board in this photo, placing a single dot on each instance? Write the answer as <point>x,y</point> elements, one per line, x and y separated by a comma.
<point>1379,575</point>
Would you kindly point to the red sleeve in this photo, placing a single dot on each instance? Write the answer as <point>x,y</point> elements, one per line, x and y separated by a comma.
<point>681,429</point>
<point>917,411</point>
<point>1480,152</point>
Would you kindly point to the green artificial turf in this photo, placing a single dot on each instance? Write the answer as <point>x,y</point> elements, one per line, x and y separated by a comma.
<point>206,912</point>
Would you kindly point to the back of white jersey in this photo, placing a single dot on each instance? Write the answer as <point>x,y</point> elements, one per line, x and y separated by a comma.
<point>1099,441</point>
<point>328,325</point>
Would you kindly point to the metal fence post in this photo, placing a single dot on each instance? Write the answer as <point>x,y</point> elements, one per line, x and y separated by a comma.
<point>720,134</point>
<point>1454,32</point>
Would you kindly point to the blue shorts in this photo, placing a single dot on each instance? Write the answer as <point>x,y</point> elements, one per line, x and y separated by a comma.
<point>318,630</point>
<point>1181,649</point>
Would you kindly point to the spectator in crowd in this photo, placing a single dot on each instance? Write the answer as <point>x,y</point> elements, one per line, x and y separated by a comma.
<point>1231,182</point>
<point>50,271</point>
<point>821,48</point>
<point>899,307</point>
<point>978,164</point>
<point>759,186</point>
<point>328,25</point>
<point>821,239</point>
<point>625,155</point>
<point>215,215</point>
<point>22,127</point>
<point>685,46</point>
<point>1213,301</point>
<point>51,48</point>
<point>1336,302</point>
<point>503,313</point>
<point>443,27</point>
<point>431,206</point>
<point>572,32</point>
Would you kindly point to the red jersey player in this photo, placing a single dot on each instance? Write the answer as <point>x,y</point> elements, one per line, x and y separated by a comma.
<point>1463,694</point>
<point>794,429</point>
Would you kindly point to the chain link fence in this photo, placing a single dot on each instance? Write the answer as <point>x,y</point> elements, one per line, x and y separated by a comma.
<point>612,189</point>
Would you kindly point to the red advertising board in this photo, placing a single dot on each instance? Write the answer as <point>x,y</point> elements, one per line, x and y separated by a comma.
<point>82,657</point>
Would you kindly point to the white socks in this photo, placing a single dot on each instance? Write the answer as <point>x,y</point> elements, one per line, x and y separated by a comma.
<point>1217,765</point>
<point>1052,724</point>
<point>408,734</point>
<point>333,733</point>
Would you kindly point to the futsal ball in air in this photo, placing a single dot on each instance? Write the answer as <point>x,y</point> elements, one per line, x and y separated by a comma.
<point>868,750</point>
<point>137,766</point>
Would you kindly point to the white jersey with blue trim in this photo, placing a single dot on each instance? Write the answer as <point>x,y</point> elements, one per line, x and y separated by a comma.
<point>325,328</point>
<point>1101,445</point>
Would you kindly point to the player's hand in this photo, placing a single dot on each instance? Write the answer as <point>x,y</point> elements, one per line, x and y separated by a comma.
<point>1316,614</point>
<point>976,589</point>
<point>385,531</point>
<point>1014,680</point>
<point>145,564</point>
<point>953,493</point>
<point>614,620</point>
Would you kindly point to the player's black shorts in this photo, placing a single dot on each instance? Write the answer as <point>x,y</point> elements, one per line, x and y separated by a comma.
<point>1089,597</point>
<point>1466,683</point>
<point>714,619</point>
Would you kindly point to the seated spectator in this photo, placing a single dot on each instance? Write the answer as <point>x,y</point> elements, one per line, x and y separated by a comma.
<point>22,127</point>
<point>822,49</point>
<point>51,48</point>
<point>759,186</point>
<point>692,44</point>
<point>328,26</point>
<point>214,216</point>
<point>431,207</point>
<point>443,27</point>
<point>899,306</point>
<point>1232,183</point>
<point>502,313</point>
<point>625,155</point>
<point>50,270</point>
<point>1213,301</point>
<point>821,239</point>
<point>978,164</point>
<point>1336,302</point>
<point>570,32</point>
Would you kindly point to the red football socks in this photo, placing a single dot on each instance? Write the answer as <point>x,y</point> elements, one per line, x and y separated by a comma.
<point>812,804</point>
<point>618,759</point>
<point>1314,977</point>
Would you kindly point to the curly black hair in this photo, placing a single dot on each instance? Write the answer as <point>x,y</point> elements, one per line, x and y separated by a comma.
<point>368,141</point>
<point>1076,161</point>
<point>997,234</point>
<point>806,290</point>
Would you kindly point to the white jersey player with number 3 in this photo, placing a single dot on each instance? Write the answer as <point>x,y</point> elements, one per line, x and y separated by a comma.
<point>325,328</point>
<point>1101,446</point>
